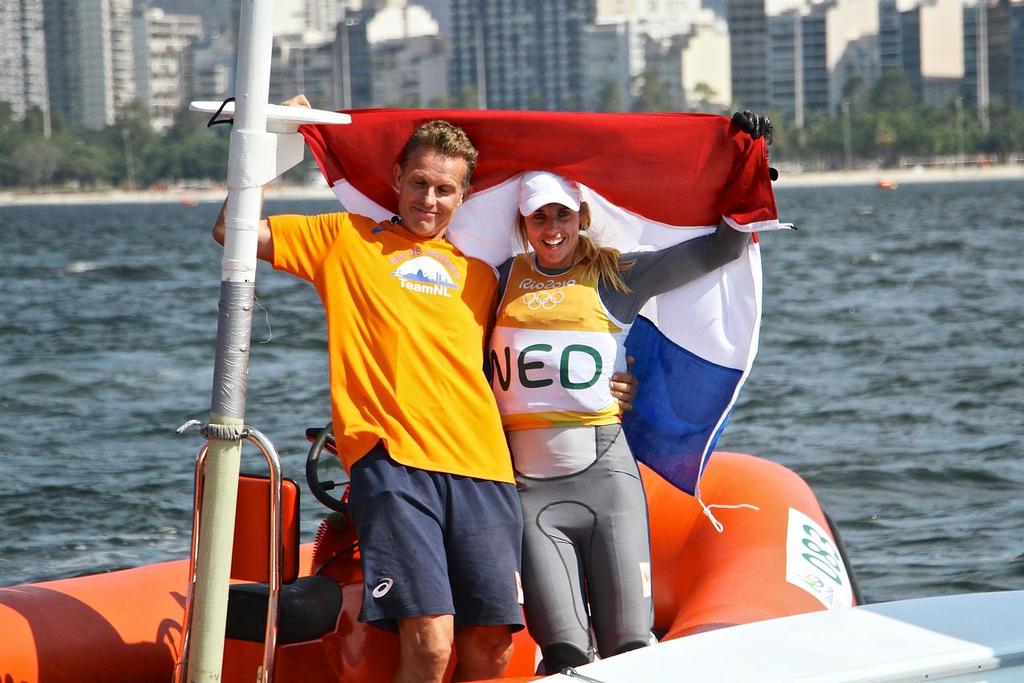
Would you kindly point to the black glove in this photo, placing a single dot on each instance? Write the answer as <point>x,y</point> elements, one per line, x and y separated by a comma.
<point>756,125</point>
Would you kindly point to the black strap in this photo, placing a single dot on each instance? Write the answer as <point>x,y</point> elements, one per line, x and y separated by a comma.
<point>214,120</point>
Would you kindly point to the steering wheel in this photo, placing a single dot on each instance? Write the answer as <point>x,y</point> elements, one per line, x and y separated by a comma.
<point>317,465</point>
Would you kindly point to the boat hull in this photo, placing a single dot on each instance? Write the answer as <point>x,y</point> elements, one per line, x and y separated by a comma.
<point>126,625</point>
<point>118,626</point>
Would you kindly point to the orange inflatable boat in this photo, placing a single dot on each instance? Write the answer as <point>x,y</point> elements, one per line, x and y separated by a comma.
<point>775,556</point>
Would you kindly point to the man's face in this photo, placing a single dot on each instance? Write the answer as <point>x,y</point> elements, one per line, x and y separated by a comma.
<point>429,191</point>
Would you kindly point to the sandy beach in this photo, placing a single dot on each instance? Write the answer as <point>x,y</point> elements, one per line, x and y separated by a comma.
<point>187,196</point>
<point>894,177</point>
<point>886,178</point>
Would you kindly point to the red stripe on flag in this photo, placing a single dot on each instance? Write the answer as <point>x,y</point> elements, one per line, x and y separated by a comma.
<point>680,169</point>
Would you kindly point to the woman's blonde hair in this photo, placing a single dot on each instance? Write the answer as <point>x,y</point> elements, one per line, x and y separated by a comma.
<point>597,260</point>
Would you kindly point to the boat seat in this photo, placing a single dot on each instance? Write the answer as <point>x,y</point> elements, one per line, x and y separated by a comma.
<point>307,609</point>
<point>308,606</point>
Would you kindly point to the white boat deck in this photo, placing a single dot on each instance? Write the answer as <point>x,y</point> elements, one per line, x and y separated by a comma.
<point>976,637</point>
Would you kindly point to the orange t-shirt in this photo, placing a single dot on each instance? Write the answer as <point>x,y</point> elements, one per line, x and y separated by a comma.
<point>406,323</point>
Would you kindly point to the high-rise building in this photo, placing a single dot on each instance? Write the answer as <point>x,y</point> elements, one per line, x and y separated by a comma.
<point>306,63</point>
<point>556,55</point>
<point>607,77</point>
<point>925,42</point>
<point>78,62</point>
<point>993,38</point>
<point>786,68</point>
<point>840,43</point>
<point>659,21</point>
<point>89,59</point>
<point>748,52</point>
<point>324,15</point>
<point>356,60</point>
<point>890,36</point>
<point>398,20</point>
<point>164,65</point>
<point>489,57</point>
<point>694,65</point>
<point>815,51</point>
<point>388,53</point>
<point>975,56</point>
<point>814,71</point>
<point>409,57</point>
<point>1006,52</point>
<point>441,10</point>
<point>122,53</point>
<point>1015,54</point>
<point>657,18</point>
<point>23,57</point>
<point>213,72</point>
<point>410,72</point>
<point>295,17</point>
<point>519,54</point>
<point>298,16</point>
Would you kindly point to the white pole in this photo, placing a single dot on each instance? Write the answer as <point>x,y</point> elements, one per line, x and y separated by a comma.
<point>250,142</point>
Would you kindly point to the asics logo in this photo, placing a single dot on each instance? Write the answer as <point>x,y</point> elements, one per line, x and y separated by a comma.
<point>545,300</point>
<point>382,588</point>
<point>530,283</point>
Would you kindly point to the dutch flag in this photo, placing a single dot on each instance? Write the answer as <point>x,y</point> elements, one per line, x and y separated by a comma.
<point>651,180</point>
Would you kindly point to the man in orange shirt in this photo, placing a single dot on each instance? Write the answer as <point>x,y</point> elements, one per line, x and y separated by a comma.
<point>433,495</point>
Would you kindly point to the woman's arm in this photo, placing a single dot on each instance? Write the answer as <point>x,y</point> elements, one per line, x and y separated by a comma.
<point>656,272</point>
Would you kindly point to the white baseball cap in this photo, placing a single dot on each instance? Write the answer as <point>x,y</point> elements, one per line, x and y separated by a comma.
<point>540,188</point>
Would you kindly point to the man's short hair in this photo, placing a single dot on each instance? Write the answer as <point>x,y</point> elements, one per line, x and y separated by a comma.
<point>445,139</point>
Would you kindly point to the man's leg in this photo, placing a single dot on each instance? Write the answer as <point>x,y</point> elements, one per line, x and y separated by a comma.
<point>484,541</point>
<point>405,570</point>
<point>424,648</point>
<point>482,652</point>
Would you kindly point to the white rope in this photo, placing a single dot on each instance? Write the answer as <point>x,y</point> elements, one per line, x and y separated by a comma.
<point>266,314</point>
<point>719,527</point>
<point>217,431</point>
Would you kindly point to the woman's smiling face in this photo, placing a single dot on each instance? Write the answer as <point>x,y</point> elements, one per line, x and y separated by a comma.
<point>553,231</point>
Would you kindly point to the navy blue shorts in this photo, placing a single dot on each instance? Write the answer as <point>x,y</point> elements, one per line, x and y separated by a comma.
<point>435,543</point>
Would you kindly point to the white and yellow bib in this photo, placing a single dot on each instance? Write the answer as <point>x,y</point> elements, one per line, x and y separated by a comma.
<point>553,350</point>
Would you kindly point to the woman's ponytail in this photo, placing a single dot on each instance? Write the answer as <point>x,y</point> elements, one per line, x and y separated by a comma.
<point>599,261</point>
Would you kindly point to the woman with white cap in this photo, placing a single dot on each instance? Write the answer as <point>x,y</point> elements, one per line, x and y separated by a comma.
<point>565,308</point>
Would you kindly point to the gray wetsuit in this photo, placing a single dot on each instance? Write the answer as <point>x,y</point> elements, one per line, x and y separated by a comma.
<point>586,543</point>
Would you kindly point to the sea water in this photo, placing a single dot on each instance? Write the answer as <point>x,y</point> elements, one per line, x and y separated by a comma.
<point>890,376</point>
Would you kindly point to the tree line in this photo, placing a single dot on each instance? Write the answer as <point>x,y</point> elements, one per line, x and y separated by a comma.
<point>886,125</point>
<point>127,154</point>
<point>883,125</point>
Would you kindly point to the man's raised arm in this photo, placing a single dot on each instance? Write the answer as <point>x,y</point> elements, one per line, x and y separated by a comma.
<point>265,245</point>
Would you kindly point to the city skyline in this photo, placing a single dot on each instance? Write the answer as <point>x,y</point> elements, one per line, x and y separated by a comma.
<point>88,60</point>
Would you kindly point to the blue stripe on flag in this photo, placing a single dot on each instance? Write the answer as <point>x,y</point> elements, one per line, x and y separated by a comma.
<point>681,399</point>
